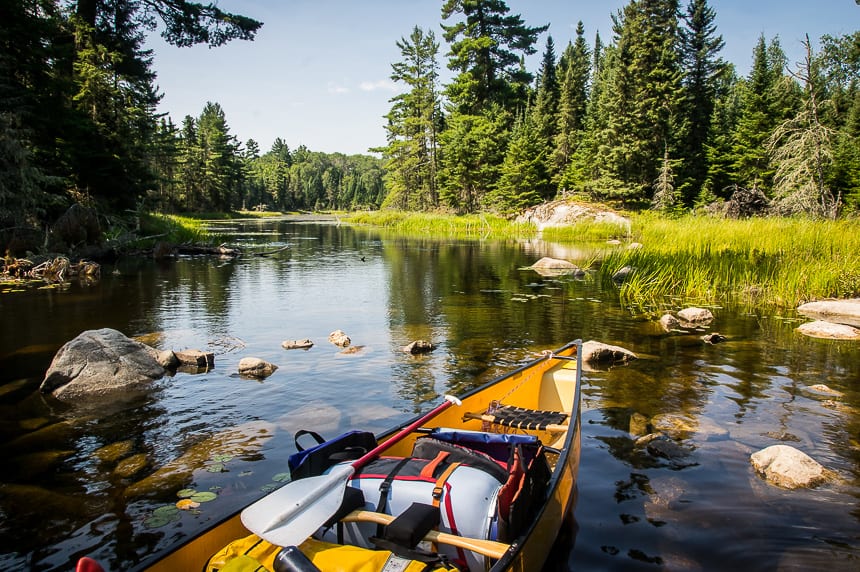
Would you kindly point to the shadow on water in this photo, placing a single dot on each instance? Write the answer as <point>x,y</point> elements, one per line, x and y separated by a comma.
<point>100,479</point>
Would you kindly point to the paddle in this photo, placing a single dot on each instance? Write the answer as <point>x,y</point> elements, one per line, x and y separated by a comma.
<point>290,514</point>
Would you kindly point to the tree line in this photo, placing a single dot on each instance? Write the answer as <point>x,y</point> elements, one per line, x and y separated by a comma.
<point>655,117</point>
<point>78,122</point>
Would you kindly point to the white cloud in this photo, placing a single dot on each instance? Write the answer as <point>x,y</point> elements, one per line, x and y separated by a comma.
<point>382,84</point>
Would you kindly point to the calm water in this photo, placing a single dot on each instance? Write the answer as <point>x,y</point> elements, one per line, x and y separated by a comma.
<point>89,479</point>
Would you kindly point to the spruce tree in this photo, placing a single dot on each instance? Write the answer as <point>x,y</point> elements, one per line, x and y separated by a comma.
<point>523,178</point>
<point>573,102</point>
<point>700,47</point>
<point>643,94</point>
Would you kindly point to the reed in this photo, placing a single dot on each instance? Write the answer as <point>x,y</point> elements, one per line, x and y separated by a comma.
<point>175,228</point>
<point>759,262</point>
<point>429,224</point>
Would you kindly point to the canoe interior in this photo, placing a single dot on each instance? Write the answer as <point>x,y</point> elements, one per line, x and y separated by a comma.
<point>544,384</point>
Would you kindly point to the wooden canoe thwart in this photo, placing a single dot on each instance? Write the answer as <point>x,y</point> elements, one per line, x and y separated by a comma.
<point>480,482</point>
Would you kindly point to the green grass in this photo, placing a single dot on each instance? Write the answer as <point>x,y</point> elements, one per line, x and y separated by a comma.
<point>758,262</point>
<point>176,229</point>
<point>425,224</point>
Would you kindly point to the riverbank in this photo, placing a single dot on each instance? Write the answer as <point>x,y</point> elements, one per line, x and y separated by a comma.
<point>758,262</point>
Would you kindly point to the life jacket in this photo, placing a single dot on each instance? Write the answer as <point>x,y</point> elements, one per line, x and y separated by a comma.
<point>253,554</point>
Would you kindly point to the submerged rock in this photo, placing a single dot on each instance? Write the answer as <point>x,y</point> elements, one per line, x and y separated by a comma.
<point>696,316</point>
<point>829,330</point>
<point>242,441</point>
<point>669,322</point>
<point>787,467</point>
<point>297,344</point>
<point>603,354</point>
<point>845,312</point>
<point>195,358</point>
<point>419,347</point>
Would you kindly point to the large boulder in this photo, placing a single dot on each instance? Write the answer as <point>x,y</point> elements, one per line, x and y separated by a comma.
<point>837,311</point>
<point>564,213</point>
<point>101,362</point>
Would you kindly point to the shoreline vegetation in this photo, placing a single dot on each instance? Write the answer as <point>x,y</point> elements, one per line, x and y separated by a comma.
<point>757,262</point>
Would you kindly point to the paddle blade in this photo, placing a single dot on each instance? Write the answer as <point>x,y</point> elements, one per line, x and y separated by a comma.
<point>290,514</point>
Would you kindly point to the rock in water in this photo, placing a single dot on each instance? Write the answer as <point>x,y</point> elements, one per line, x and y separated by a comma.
<point>788,467</point>
<point>256,367</point>
<point>100,362</point>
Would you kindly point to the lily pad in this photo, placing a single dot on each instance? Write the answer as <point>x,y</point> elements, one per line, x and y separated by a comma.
<point>204,496</point>
<point>162,516</point>
<point>217,468</point>
<point>222,458</point>
<point>281,477</point>
<point>185,493</point>
<point>268,488</point>
<point>166,510</point>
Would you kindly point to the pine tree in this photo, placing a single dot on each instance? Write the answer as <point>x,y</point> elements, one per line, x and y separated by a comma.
<point>486,51</point>
<point>702,65</point>
<point>412,151</point>
<point>767,98</point>
<point>491,86</point>
<point>544,112</point>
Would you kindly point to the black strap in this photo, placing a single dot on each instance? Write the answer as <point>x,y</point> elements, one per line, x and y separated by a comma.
<point>313,434</point>
<point>384,487</point>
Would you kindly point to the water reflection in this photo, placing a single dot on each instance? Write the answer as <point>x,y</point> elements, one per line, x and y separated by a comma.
<point>685,500</point>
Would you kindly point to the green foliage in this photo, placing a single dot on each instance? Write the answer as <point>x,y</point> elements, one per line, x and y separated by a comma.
<point>486,48</point>
<point>759,261</point>
<point>427,224</point>
<point>523,178</point>
<point>411,156</point>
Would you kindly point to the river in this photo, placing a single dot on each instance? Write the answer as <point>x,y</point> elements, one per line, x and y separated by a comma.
<point>89,480</point>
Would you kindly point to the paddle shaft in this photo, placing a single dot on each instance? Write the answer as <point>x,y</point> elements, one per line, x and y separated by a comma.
<point>403,433</point>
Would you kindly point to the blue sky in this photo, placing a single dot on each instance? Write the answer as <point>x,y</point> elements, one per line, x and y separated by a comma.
<point>318,72</point>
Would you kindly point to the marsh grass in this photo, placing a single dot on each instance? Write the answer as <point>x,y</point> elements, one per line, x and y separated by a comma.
<point>176,229</point>
<point>757,262</point>
<point>426,224</point>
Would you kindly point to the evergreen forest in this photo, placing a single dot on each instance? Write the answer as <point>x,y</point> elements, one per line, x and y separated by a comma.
<point>651,117</point>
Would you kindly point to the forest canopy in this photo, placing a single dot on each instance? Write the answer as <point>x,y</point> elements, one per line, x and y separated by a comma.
<point>652,116</point>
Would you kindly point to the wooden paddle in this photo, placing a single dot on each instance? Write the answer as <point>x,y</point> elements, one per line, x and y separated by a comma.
<point>290,514</point>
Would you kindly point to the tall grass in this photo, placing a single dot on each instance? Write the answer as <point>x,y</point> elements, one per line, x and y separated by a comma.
<point>427,224</point>
<point>175,228</point>
<point>770,261</point>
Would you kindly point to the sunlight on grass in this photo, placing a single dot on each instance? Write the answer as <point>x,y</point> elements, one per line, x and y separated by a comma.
<point>771,261</point>
<point>425,224</point>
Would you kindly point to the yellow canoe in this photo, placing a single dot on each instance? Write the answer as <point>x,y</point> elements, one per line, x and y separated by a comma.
<point>549,384</point>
